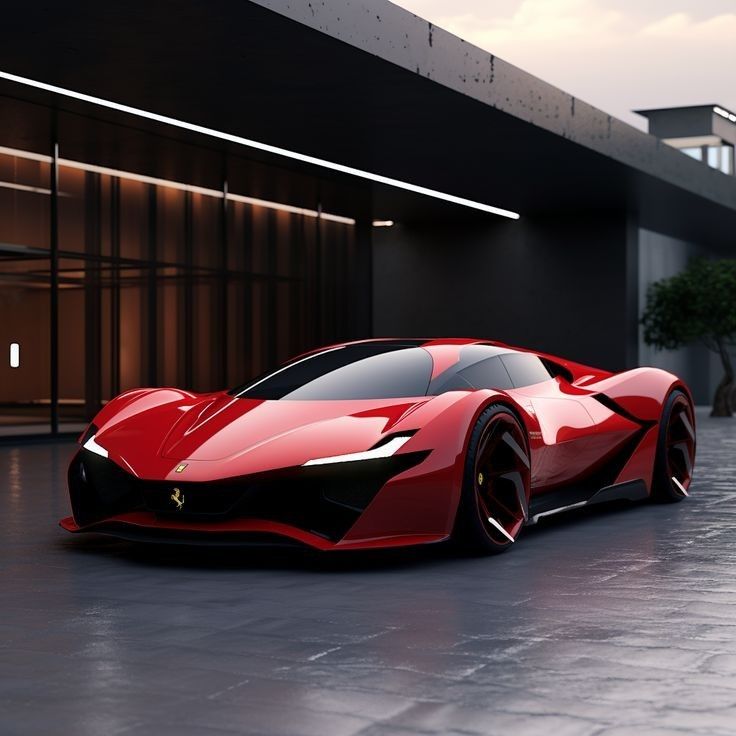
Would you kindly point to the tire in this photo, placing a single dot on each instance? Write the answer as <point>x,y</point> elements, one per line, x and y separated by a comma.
<point>675,455</point>
<point>494,500</point>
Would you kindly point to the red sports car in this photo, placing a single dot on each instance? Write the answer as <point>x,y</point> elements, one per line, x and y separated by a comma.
<point>381,443</point>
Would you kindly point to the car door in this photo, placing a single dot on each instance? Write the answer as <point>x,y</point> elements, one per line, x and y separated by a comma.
<point>578,433</point>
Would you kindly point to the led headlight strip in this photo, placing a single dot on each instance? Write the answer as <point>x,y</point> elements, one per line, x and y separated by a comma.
<point>385,450</point>
<point>92,446</point>
<point>278,151</point>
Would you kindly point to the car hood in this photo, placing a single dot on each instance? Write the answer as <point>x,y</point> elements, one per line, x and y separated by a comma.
<point>218,435</point>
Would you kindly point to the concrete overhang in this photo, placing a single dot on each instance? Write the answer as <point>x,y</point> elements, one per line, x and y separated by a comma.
<point>369,85</point>
<point>692,122</point>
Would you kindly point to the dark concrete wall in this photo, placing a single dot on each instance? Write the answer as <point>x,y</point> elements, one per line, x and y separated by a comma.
<point>661,257</point>
<point>563,286</point>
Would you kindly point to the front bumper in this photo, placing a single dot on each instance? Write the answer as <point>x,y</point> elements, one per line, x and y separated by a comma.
<point>314,506</point>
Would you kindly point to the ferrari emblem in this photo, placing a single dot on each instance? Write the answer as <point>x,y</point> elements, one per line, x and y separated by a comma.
<point>178,498</point>
<point>180,468</point>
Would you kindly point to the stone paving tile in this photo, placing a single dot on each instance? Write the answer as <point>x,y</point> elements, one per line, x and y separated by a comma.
<point>606,622</point>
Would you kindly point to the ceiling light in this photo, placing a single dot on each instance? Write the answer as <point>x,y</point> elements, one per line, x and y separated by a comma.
<point>268,148</point>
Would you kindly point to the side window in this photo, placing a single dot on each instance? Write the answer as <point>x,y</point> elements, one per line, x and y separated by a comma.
<point>525,369</point>
<point>488,373</point>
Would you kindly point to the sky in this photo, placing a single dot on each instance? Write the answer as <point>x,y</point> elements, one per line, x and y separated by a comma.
<point>619,56</point>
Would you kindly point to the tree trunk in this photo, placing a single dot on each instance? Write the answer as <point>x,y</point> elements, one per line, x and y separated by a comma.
<point>722,399</point>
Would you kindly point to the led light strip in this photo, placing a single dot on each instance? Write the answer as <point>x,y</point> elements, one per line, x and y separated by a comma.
<point>23,188</point>
<point>385,450</point>
<point>724,114</point>
<point>180,186</point>
<point>378,178</point>
<point>92,446</point>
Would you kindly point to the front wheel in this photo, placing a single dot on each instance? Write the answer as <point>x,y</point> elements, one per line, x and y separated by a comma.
<point>494,502</point>
<point>673,466</point>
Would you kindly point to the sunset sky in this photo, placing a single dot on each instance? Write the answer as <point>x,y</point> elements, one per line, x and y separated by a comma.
<point>618,56</point>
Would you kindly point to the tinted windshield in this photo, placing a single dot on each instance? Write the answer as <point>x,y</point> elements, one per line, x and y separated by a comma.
<point>361,371</point>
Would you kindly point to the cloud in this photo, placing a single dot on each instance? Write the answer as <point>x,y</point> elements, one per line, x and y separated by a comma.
<point>636,55</point>
<point>535,20</point>
<point>682,26</point>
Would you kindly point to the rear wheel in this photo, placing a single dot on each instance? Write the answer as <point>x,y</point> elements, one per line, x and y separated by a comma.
<point>673,468</point>
<point>494,503</point>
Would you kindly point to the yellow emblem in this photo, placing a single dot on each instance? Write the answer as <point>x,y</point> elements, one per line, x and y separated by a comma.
<point>180,468</point>
<point>178,498</point>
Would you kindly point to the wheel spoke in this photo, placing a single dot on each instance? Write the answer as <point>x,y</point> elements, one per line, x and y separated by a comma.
<point>514,445</point>
<point>500,528</point>
<point>684,450</point>
<point>687,424</point>
<point>515,478</point>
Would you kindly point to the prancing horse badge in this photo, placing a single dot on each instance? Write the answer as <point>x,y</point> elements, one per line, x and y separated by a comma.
<point>178,498</point>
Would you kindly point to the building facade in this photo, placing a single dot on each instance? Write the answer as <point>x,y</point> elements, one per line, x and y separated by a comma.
<point>193,211</point>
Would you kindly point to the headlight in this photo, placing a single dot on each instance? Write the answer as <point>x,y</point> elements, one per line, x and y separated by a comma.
<point>92,446</point>
<point>385,449</point>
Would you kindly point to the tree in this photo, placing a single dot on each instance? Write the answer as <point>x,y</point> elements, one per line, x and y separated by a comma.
<point>697,305</point>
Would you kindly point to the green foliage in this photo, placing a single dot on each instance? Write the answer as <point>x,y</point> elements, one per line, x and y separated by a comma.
<point>698,304</point>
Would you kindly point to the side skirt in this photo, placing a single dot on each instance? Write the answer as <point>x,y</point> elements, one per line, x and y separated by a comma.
<point>550,504</point>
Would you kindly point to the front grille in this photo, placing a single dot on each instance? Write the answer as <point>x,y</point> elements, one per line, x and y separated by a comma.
<point>325,500</point>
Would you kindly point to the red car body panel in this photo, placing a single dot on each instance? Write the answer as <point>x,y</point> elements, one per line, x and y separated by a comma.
<point>576,423</point>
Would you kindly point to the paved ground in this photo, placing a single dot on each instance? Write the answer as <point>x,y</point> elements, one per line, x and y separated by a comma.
<point>610,623</point>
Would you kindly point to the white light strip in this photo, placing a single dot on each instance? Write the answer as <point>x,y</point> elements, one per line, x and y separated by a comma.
<point>383,451</point>
<point>681,487</point>
<point>383,223</point>
<point>724,113</point>
<point>14,355</point>
<point>23,187</point>
<point>29,155</point>
<point>179,186</point>
<point>92,446</point>
<point>278,151</point>
<point>500,528</point>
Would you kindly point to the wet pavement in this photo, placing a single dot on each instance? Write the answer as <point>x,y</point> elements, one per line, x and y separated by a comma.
<point>615,621</point>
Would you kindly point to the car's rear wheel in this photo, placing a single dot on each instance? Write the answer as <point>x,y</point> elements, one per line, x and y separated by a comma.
<point>494,502</point>
<point>673,468</point>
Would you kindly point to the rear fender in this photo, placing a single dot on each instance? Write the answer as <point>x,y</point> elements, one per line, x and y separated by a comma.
<point>641,392</point>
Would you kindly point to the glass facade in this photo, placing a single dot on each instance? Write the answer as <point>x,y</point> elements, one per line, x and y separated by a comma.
<point>129,259</point>
<point>717,157</point>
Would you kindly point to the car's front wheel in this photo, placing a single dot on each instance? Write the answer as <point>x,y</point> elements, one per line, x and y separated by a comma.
<point>494,501</point>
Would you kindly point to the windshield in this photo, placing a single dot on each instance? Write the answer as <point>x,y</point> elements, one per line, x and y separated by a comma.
<point>377,370</point>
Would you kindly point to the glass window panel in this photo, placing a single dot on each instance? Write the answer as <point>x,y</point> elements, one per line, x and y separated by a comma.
<point>206,230</point>
<point>363,371</point>
<point>25,391</point>
<point>24,202</point>
<point>714,156</point>
<point>171,220</point>
<point>525,369</point>
<point>134,218</point>
<point>169,337</point>
<point>260,239</point>
<point>205,346</point>
<point>73,229</point>
<point>727,160</point>
<point>694,152</point>
<point>133,330</point>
